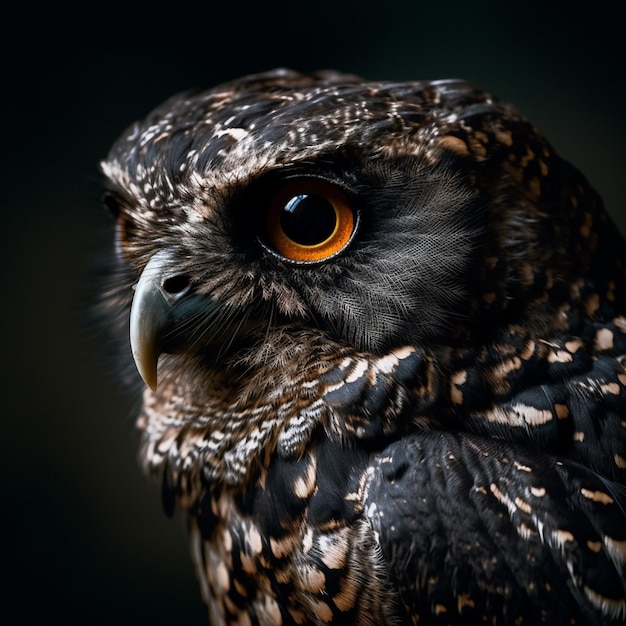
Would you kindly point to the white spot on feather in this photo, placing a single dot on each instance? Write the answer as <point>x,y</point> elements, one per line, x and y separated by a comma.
<point>234,133</point>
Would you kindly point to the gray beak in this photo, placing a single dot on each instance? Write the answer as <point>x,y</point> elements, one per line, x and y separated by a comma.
<point>155,311</point>
<point>168,316</point>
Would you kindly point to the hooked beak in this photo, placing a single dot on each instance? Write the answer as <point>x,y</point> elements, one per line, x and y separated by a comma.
<point>168,316</point>
<point>161,290</point>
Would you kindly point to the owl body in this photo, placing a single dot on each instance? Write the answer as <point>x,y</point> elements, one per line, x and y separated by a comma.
<point>383,328</point>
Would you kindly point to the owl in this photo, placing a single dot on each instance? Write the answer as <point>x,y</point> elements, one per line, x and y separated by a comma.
<point>382,329</point>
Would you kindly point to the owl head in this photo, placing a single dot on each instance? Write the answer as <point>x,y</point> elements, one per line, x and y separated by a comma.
<point>281,209</point>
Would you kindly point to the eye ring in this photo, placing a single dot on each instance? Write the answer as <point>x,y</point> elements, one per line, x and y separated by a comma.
<point>309,220</point>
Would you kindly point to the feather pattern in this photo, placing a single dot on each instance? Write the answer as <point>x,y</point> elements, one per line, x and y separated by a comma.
<point>424,423</point>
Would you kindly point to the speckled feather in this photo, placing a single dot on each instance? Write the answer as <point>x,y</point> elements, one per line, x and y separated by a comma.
<point>428,427</point>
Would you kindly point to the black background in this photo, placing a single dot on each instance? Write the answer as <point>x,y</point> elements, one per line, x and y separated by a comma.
<point>84,540</point>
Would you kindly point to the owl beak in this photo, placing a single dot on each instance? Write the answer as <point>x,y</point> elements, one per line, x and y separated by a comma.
<point>155,311</point>
<point>167,315</point>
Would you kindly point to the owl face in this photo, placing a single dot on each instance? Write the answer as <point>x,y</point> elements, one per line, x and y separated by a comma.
<point>240,221</point>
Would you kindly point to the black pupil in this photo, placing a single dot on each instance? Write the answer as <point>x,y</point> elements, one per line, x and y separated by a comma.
<point>308,219</point>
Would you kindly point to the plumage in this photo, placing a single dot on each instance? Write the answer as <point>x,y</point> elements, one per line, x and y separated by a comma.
<point>383,329</point>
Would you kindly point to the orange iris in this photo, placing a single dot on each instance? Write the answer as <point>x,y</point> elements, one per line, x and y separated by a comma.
<point>309,220</point>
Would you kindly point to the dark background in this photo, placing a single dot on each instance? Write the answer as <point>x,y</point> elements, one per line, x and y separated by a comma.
<point>84,540</point>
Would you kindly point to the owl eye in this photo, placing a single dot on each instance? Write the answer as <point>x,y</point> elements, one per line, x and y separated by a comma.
<point>125,235</point>
<point>125,231</point>
<point>309,220</point>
